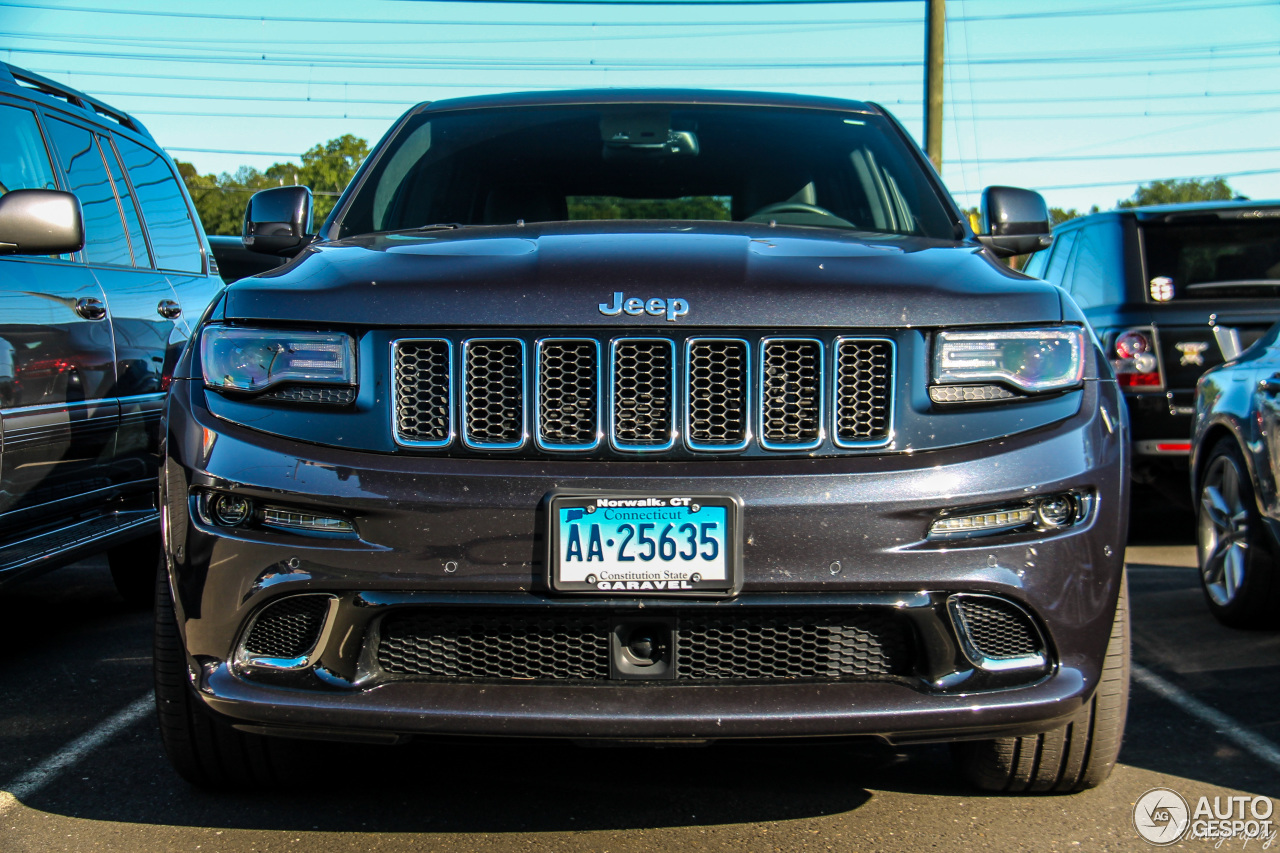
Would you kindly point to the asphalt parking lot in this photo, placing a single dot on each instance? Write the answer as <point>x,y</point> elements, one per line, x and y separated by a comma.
<point>81,766</point>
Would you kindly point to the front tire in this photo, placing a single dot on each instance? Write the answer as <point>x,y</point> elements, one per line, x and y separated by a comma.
<point>201,746</point>
<point>1237,558</point>
<point>1071,758</point>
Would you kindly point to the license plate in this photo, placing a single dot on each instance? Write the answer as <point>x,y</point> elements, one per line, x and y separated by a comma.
<point>621,544</point>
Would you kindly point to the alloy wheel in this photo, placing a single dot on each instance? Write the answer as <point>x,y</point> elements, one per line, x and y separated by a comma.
<point>1223,530</point>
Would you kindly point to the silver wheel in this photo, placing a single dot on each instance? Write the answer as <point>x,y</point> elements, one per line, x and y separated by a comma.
<point>1223,529</point>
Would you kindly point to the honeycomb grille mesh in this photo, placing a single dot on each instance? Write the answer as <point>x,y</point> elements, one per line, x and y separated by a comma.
<point>739,646</point>
<point>997,629</point>
<point>487,645</point>
<point>289,628</point>
<point>494,392</point>
<point>653,389</point>
<point>825,645</point>
<point>567,393</point>
<point>642,392</point>
<point>718,392</point>
<point>864,374</point>
<point>791,411</point>
<point>313,394</point>
<point>422,391</point>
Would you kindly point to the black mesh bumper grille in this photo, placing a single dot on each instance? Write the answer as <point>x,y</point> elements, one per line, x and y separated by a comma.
<point>494,645</point>
<point>997,629</point>
<point>822,645</point>
<point>288,628</point>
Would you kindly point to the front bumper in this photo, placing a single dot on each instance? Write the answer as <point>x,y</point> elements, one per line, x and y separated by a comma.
<point>453,534</point>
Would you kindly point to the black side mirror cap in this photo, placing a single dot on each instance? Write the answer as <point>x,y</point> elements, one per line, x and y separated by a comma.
<point>1014,221</point>
<point>40,222</point>
<point>278,221</point>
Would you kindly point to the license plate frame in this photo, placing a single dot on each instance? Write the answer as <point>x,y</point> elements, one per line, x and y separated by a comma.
<point>725,509</point>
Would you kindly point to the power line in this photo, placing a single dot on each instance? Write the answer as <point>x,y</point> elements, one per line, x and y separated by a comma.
<point>1147,155</point>
<point>471,63</point>
<point>1108,10</point>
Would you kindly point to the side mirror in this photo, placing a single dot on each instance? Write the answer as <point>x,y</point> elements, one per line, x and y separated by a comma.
<point>1014,221</point>
<point>40,222</point>
<point>278,221</point>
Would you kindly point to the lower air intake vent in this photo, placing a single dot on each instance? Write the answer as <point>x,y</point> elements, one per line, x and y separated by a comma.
<point>488,645</point>
<point>823,646</point>
<point>288,628</point>
<point>997,630</point>
<point>756,645</point>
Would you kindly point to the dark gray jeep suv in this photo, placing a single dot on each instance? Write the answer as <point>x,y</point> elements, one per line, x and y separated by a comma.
<point>646,415</point>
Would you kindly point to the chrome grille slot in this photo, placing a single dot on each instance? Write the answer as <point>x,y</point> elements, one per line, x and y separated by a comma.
<point>642,410</point>
<point>568,396</point>
<point>493,393</point>
<point>719,386</point>
<point>864,376</point>
<point>791,409</point>
<point>423,397</point>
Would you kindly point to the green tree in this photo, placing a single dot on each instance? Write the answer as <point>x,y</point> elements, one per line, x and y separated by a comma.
<point>329,167</point>
<point>326,168</point>
<point>1174,191</point>
<point>1058,215</point>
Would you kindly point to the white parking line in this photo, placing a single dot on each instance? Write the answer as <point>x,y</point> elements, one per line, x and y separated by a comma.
<point>36,778</point>
<point>1231,729</point>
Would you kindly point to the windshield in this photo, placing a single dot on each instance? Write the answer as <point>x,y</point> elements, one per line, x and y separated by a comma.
<point>1214,259</point>
<point>793,167</point>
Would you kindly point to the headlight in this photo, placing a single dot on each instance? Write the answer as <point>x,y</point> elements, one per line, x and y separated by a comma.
<point>238,359</point>
<point>1030,360</point>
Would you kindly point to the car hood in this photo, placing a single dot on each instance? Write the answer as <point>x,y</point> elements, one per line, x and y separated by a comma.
<point>567,274</point>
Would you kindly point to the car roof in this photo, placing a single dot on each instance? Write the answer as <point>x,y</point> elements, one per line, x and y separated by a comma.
<point>682,97</point>
<point>30,86</point>
<point>1174,212</point>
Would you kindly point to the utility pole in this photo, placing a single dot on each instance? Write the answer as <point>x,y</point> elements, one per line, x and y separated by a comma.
<point>935,31</point>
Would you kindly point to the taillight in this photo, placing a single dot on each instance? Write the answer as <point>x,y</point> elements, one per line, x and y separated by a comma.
<point>1134,359</point>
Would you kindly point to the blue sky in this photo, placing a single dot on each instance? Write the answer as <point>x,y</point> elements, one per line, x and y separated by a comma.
<point>1081,99</point>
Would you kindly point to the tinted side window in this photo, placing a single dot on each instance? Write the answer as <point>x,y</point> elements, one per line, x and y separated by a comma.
<point>24,162</point>
<point>1097,264</point>
<point>1057,268</point>
<point>105,241</point>
<point>141,256</point>
<point>174,237</point>
<point>1036,264</point>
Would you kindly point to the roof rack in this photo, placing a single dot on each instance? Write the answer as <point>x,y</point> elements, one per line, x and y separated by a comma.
<point>34,82</point>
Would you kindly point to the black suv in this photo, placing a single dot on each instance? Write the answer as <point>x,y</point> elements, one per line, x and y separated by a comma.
<point>1171,291</point>
<point>97,299</point>
<point>670,416</point>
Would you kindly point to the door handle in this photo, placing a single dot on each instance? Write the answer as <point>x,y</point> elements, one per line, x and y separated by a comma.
<point>169,309</point>
<point>1271,385</point>
<point>91,308</point>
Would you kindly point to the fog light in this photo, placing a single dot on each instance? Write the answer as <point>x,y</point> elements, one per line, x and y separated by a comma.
<point>293,519</point>
<point>985,522</point>
<point>1057,511</point>
<point>231,510</point>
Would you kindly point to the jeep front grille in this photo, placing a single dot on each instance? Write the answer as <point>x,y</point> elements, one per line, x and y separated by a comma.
<point>643,395</point>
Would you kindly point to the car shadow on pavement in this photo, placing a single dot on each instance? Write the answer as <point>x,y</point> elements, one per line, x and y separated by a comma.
<point>505,787</point>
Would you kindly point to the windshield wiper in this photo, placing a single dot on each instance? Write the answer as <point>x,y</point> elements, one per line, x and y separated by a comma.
<point>439,226</point>
<point>1227,285</point>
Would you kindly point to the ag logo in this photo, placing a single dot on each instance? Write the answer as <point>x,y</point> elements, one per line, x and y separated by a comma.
<point>1161,816</point>
<point>1192,352</point>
